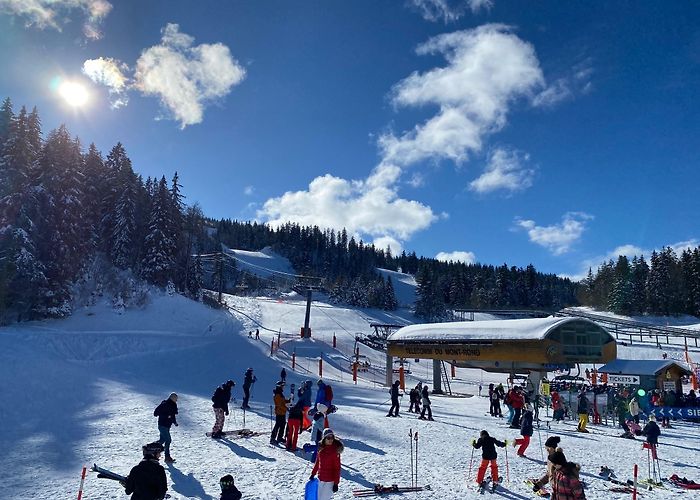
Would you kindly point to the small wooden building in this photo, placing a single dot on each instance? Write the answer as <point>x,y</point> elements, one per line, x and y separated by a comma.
<point>649,374</point>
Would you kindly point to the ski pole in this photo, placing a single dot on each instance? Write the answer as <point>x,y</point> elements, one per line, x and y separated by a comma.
<point>471,461</point>
<point>244,418</point>
<point>539,435</point>
<point>416,458</point>
<point>410,438</point>
<point>270,420</point>
<point>507,470</point>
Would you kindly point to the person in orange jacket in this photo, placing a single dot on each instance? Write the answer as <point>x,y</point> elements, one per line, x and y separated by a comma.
<point>327,465</point>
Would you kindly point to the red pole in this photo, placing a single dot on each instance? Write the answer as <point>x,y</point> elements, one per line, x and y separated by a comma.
<point>294,359</point>
<point>272,346</point>
<point>454,371</point>
<point>354,372</point>
<point>634,488</point>
<point>320,367</point>
<point>279,334</point>
<point>82,482</point>
<point>333,340</point>
<point>402,380</point>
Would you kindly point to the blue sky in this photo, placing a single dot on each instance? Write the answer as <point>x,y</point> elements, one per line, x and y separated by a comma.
<point>553,133</point>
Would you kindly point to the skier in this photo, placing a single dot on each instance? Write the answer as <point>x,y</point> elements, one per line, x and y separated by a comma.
<point>283,375</point>
<point>582,412</point>
<point>518,403</point>
<point>526,431</point>
<point>257,334</point>
<point>248,380</point>
<point>166,411</point>
<point>495,408</point>
<point>293,425</point>
<point>221,398</point>
<point>281,403</point>
<point>304,394</point>
<point>488,456</point>
<point>324,396</point>
<point>550,445</point>
<point>652,432</point>
<point>394,391</point>
<point>228,489</point>
<point>634,409</point>
<point>327,465</point>
<point>557,406</point>
<point>566,484</point>
<point>425,398</point>
<point>415,396</point>
<point>508,401</point>
<point>147,481</point>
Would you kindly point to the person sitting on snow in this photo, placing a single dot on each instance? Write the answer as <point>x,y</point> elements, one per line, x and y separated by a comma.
<point>228,489</point>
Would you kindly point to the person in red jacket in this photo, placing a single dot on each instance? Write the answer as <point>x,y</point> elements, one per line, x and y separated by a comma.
<point>518,403</point>
<point>327,465</point>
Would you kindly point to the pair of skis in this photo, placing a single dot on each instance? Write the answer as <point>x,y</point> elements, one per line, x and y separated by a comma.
<point>381,490</point>
<point>239,434</point>
<point>484,485</point>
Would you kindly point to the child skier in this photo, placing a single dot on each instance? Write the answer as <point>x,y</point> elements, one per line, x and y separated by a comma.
<point>551,445</point>
<point>327,465</point>
<point>652,432</point>
<point>526,431</point>
<point>488,456</point>
<point>566,484</point>
<point>228,489</point>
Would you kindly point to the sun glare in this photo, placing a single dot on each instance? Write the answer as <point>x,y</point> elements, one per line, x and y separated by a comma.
<point>74,94</point>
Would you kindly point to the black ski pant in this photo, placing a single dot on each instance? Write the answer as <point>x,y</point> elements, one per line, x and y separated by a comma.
<point>246,396</point>
<point>430,412</point>
<point>415,407</point>
<point>394,410</point>
<point>495,409</point>
<point>278,429</point>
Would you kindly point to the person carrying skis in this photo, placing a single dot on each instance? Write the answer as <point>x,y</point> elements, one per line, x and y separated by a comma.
<point>425,399</point>
<point>166,411</point>
<point>327,465</point>
<point>652,432</point>
<point>248,380</point>
<point>220,400</point>
<point>550,445</point>
<point>281,403</point>
<point>565,481</point>
<point>147,480</point>
<point>394,392</point>
<point>526,431</point>
<point>582,412</point>
<point>488,455</point>
<point>293,425</point>
<point>228,489</point>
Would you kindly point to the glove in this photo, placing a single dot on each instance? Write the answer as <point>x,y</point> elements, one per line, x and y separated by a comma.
<point>312,477</point>
<point>335,487</point>
<point>473,442</point>
<point>226,413</point>
<point>535,487</point>
<point>176,424</point>
<point>505,442</point>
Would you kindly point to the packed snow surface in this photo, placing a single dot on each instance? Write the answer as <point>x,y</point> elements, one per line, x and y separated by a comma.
<point>83,390</point>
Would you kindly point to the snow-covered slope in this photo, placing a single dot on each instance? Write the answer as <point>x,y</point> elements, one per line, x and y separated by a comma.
<point>83,390</point>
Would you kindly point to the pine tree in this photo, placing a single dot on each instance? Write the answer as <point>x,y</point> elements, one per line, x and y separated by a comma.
<point>390,302</point>
<point>158,262</point>
<point>638,296</point>
<point>619,300</point>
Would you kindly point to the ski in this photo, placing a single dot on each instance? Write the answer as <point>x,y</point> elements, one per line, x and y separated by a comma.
<point>684,483</point>
<point>240,433</point>
<point>107,474</point>
<point>542,492</point>
<point>380,490</point>
<point>494,484</point>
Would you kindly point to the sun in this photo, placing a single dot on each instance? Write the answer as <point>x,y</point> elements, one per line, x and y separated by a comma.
<point>73,93</point>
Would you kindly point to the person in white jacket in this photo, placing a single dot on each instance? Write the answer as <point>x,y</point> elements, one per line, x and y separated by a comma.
<point>634,409</point>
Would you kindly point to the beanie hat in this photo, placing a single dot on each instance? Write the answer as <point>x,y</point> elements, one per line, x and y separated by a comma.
<point>173,397</point>
<point>552,441</point>
<point>558,458</point>
<point>327,432</point>
<point>226,482</point>
<point>151,449</point>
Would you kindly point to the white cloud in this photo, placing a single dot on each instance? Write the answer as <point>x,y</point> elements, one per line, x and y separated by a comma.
<point>51,13</point>
<point>567,87</point>
<point>186,77</point>
<point>457,256</point>
<point>248,190</point>
<point>394,245</point>
<point>557,238</point>
<point>505,170</point>
<point>488,68</point>
<point>110,73</point>
<point>448,10</point>
<point>417,180</point>
<point>369,207</point>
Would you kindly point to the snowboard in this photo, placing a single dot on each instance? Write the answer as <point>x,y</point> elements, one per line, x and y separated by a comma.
<point>542,492</point>
<point>311,489</point>
<point>239,434</point>
<point>381,490</point>
<point>107,474</point>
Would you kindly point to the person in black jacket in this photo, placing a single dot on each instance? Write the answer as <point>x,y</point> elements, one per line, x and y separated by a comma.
<point>166,412</point>
<point>228,489</point>
<point>526,431</point>
<point>221,398</point>
<point>394,392</point>
<point>488,455</point>
<point>147,480</point>
<point>425,397</point>
<point>652,432</point>
<point>248,380</point>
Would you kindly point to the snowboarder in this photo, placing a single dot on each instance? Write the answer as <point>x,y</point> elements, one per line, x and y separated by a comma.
<point>283,375</point>
<point>566,484</point>
<point>394,392</point>
<point>582,412</point>
<point>166,412</point>
<point>248,380</point>
<point>220,400</point>
<point>147,480</point>
<point>327,465</point>
<point>293,425</point>
<point>526,431</point>
<point>550,445</point>
<point>652,432</point>
<point>425,399</point>
<point>228,489</point>
<point>488,456</point>
<point>281,403</point>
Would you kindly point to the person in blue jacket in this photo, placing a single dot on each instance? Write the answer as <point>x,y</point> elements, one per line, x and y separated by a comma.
<point>166,412</point>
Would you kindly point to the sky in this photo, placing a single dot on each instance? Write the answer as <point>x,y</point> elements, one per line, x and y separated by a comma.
<point>558,134</point>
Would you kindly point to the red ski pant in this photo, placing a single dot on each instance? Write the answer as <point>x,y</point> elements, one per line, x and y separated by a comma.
<point>482,470</point>
<point>292,433</point>
<point>305,418</point>
<point>524,442</point>
<point>651,447</point>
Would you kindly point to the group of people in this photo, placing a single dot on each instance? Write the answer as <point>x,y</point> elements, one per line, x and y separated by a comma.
<point>420,394</point>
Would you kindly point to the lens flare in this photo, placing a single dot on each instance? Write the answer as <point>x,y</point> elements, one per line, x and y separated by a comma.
<point>74,94</point>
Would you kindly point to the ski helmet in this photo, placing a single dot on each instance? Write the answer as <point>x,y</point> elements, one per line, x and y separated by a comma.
<point>173,397</point>
<point>226,482</point>
<point>151,449</point>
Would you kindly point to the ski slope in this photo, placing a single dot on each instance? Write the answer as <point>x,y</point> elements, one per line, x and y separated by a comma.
<point>82,391</point>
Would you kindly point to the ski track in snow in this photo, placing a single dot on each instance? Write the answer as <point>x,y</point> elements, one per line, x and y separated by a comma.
<point>83,390</point>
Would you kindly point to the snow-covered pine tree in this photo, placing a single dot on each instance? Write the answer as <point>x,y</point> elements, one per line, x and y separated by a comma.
<point>390,302</point>
<point>619,300</point>
<point>638,295</point>
<point>94,172</point>
<point>158,261</point>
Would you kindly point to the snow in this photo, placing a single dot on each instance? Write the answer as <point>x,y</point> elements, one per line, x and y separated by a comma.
<point>82,390</point>
<point>264,263</point>
<point>462,331</point>
<point>404,286</point>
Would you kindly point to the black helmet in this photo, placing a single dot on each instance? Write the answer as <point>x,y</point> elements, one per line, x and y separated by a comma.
<point>151,449</point>
<point>226,482</point>
<point>230,383</point>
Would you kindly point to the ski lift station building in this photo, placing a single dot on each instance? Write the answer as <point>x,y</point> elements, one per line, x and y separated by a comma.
<point>533,345</point>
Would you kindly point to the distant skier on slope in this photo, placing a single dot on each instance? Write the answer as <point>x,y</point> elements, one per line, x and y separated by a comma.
<point>220,400</point>
<point>147,480</point>
<point>228,489</point>
<point>248,380</point>
<point>166,412</point>
<point>327,465</point>
<point>488,455</point>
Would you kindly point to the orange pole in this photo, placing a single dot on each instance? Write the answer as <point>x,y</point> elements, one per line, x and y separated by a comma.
<point>294,359</point>
<point>594,377</point>
<point>454,371</point>
<point>354,372</point>
<point>402,381</point>
<point>333,340</point>
<point>320,367</point>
